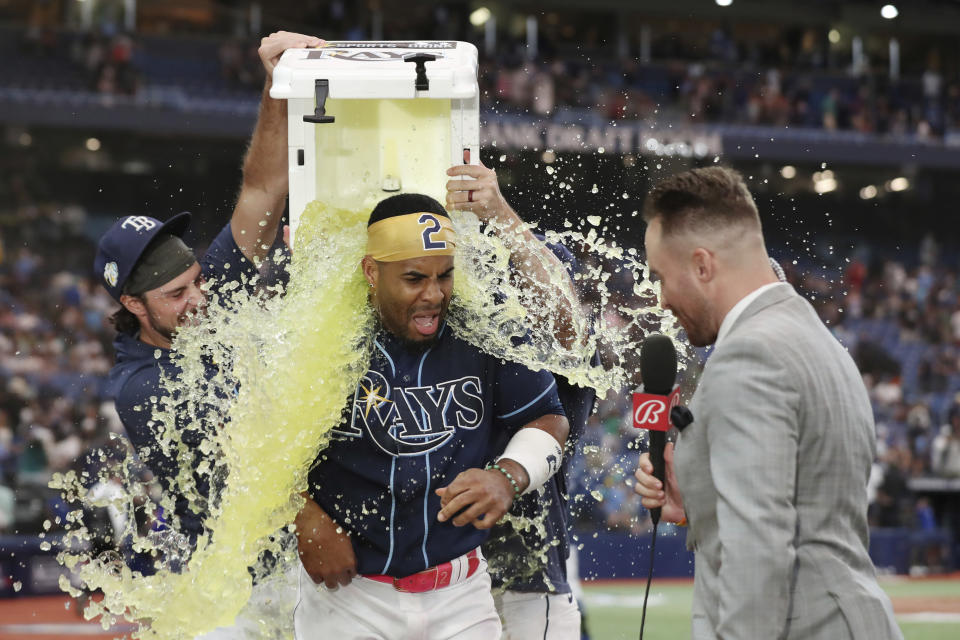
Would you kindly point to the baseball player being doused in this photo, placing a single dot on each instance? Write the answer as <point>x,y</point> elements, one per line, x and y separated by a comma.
<point>402,498</point>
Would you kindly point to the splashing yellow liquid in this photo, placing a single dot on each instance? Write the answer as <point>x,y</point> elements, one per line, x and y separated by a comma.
<point>286,366</point>
<point>293,359</point>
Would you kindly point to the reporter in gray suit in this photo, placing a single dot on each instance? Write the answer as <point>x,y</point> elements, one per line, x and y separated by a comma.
<point>772,474</point>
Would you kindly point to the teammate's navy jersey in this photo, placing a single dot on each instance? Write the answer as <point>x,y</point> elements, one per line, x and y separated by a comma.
<point>419,418</point>
<point>135,379</point>
<point>525,560</point>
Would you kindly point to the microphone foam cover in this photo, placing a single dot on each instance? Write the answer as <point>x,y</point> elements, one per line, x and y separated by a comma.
<point>658,364</point>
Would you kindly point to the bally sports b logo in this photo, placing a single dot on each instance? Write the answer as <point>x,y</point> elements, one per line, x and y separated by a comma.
<point>412,421</point>
<point>651,411</point>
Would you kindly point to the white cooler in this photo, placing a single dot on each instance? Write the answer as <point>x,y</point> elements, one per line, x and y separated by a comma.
<point>369,119</point>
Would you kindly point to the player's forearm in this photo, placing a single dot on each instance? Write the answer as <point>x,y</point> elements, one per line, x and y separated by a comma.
<point>532,457</point>
<point>311,518</point>
<point>535,267</point>
<point>265,165</point>
<point>260,203</point>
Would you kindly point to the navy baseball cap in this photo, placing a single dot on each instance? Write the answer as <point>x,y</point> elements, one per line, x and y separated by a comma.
<point>122,245</point>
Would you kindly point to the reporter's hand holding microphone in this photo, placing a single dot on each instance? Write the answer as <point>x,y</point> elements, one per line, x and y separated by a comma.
<point>652,492</point>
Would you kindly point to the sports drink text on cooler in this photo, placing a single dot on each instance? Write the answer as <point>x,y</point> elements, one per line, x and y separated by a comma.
<point>652,411</point>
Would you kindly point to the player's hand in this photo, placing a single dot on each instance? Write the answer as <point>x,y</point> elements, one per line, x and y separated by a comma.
<point>325,548</point>
<point>481,195</point>
<point>273,46</point>
<point>483,495</point>
<point>651,490</point>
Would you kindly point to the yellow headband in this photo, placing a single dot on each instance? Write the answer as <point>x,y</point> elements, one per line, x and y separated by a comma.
<point>414,235</point>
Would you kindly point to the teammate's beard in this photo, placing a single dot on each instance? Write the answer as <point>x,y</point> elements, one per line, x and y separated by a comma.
<point>167,331</point>
<point>159,327</point>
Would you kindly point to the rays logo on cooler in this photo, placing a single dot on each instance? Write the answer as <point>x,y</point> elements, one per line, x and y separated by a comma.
<point>413,421</point>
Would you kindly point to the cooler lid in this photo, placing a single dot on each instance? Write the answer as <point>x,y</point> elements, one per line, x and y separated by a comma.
<point>384,69</point>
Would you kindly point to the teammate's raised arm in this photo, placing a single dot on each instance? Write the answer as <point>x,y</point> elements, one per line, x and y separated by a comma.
<point>532,259</point>
<point>259,208</point>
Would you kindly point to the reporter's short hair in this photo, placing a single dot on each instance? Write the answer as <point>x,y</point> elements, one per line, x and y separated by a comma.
<point>706,199</point>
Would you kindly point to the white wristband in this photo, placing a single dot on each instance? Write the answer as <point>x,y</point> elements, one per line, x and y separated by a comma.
<point>537,452</point>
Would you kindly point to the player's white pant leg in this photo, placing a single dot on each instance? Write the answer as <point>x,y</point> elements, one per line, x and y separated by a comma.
<point>573,572</point>
<point>370,610</point>
<point>268,615</point>
<point>362,609</point>
<point>463,611</point>
<point>538,615</point>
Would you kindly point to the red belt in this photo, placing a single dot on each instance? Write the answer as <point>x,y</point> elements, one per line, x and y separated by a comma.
<point>429,579</point>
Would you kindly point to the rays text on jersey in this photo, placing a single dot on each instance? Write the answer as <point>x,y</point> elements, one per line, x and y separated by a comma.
<point>412,421</point>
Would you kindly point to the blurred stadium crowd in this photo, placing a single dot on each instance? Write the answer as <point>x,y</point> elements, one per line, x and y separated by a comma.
<point>900,316</point>
<point>792,78</point>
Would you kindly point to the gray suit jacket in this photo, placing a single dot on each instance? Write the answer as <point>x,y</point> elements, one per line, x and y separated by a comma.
<point>773,473</point>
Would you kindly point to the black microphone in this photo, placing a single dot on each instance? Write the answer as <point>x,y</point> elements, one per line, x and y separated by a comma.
<point>658,367</point>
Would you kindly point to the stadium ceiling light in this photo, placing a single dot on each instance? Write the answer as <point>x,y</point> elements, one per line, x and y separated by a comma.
<point>724,3</point>
<point>479,17</point>
<point>789,172</point>
<point>824,181</point>
<point>868,192</point>
<point>833,36</point>
<point>889,11</point>
<point>93,144</point>
<point>825,186</point>
<point>899,184</point>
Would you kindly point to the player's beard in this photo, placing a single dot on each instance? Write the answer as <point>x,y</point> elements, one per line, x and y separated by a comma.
<point>399,332</point>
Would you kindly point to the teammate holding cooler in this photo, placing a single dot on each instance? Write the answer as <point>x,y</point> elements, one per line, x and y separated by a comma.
<point>532,590</point>
<point>145,265</point>
<point>402,498</point>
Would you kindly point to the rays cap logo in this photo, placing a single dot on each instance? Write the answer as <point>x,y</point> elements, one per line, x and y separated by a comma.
<point>122,245</point>
<point>110,274</point>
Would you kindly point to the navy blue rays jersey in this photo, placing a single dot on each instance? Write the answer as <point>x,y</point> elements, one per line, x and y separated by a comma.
<point>417,419</point>
<point>135,379</point>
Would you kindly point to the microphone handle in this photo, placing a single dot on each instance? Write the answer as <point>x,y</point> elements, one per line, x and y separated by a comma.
<point>658,441</point>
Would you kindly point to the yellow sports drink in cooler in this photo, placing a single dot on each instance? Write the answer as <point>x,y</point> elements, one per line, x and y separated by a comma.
<point>368,119</point>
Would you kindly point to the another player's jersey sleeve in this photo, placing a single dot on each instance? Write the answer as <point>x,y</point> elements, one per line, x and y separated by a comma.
<point>136,403</point>
<point>224,262</point>
<point>523,395</point>
<point>135,406</point>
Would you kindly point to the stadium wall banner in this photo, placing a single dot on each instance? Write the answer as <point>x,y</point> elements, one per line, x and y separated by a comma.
<point>616,138</point>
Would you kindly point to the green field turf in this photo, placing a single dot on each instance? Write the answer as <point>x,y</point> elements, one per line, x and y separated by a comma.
<point>613,610</point>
